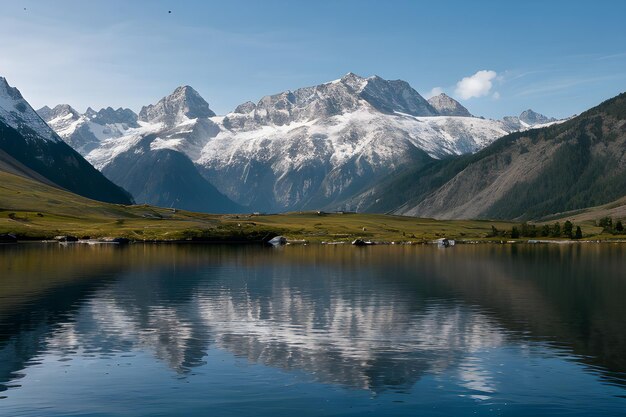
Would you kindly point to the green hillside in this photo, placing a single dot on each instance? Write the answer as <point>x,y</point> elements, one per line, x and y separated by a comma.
<point>33,210</point>
<point>526,175</point>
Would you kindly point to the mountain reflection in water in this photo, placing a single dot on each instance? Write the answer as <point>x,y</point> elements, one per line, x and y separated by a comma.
<point>376,318</point>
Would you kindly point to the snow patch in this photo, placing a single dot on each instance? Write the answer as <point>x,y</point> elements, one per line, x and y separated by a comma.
<point>112,147</point>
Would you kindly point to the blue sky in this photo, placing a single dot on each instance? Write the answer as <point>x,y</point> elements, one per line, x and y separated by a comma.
<point>557,57</point>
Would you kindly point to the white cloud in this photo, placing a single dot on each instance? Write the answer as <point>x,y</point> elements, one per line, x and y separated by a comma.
<point>434,92</point>
<point>496,96</point>
<point>477,85</point>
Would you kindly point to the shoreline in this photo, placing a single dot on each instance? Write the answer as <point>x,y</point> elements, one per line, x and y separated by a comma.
<point>299,242</point>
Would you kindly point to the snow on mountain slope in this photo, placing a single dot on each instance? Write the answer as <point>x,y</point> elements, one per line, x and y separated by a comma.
<point>85,132</point>
<point>326,150</point>
<point>188,137</point>
<point>17,113</point>
<point>110,148</point>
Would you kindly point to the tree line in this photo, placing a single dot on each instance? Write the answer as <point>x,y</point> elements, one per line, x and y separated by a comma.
<point>567,230</point>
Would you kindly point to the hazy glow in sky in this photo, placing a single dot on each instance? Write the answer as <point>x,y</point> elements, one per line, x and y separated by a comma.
<point>497,58</point>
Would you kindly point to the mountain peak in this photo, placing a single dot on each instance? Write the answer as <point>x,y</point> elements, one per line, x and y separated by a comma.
<point>185,89</point>
<point>447,106</point>
<point>350,75</point>
<point>8,92</point>
<point>183,103</point>
<point>395,96</point>
<point>17,113</point>
<point>60,110</point>
<point>345,95</point>
<point>353,81</point>
<point>533,118</point>
<point>388,95</point>
<point>90,113</point>
<point>44,112</point>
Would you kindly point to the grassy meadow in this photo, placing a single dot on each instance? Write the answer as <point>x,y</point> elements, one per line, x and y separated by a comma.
<point>33,210</point>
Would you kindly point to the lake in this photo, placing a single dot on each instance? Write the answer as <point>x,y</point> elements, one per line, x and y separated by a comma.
<point>197,330</point>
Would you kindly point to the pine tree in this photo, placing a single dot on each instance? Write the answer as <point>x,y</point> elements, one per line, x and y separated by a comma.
<point>556,230</point>
<point>619,227</point>
<point>514,233</point>
<point>579,233</point>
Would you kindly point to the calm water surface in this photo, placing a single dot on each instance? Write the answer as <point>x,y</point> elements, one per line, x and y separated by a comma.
<point>193,330</point>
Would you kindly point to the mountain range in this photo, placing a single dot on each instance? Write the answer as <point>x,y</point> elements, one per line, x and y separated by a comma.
<point>356,143</point>
<point>311,148</point>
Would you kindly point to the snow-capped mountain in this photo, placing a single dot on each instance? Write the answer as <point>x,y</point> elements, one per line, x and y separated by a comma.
<point>85,132</point>
<point>529,119</point>
<point>145,152</point>
<point>344,96</point>
<point>447,106</point>
<point>314,147</point>
<point>27,140</point>
<point>533,118</point>
<point>183,104</point>
<point>17,113</point>
<point>173,123</point>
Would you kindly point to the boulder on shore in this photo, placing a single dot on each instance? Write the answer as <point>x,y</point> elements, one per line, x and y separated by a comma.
<point>361,242</point>
<point>277,241</point>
